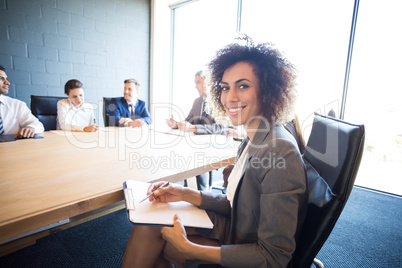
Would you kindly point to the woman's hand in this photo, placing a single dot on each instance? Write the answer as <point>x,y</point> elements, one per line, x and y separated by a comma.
<point>92,128</point>
<point>170,193</point>
<point>194,248</point>
<point>173,193</point>
<point>176,235</point>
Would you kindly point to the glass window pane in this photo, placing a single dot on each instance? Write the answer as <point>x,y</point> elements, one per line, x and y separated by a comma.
<point>314,36</point>
<point>200,28</point>
<point>375,94</point>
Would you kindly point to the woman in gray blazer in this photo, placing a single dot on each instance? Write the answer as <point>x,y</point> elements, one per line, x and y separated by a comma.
<point>257,222</point>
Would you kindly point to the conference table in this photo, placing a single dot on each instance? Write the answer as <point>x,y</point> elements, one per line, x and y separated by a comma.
<point>65,174</point>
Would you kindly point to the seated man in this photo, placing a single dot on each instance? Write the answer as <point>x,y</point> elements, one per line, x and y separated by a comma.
<point>129,110</point>
<point>15,116</point>
<point>198,121</point>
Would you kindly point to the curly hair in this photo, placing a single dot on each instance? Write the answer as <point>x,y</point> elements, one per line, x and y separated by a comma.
<point>276,77</point>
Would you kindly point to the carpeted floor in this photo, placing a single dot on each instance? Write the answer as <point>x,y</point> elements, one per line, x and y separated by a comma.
<point>368,234</point>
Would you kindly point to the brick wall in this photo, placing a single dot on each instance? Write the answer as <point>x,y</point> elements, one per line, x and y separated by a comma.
<point>45,43</point>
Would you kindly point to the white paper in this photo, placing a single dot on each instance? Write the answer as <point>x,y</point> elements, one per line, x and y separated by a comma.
<point>163,213</point>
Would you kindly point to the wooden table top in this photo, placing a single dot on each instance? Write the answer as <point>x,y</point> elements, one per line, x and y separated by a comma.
<point>65,174</point>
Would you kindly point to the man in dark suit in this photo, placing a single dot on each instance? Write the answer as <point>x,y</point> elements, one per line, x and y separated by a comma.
<point>129,110</point>
<point>199,122</point>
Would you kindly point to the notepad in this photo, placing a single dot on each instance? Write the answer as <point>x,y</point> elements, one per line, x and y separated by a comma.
<point>11,137</point>
<point>162,213</point>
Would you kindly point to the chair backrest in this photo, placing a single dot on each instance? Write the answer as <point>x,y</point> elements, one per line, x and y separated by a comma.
<point>332,159</point>
<point>108,112</point>
<point>45,109</point>
<point>293,127</point>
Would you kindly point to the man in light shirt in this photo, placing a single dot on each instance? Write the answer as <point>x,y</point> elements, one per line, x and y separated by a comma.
<point>130,111</point>
<point>15,116</point>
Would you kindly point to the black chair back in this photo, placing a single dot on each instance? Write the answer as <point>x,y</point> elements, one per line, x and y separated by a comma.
<point>45,109</point>
<point>332,157</point>
<point>108,112</point>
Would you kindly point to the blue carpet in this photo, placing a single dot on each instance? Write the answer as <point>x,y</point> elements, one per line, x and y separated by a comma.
<point>368,234</point>
<point>96,243</point>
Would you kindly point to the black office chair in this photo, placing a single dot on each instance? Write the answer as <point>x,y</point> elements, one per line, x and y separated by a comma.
<point>108,112</point>
<point>45,109</point>
<point>332,159</point>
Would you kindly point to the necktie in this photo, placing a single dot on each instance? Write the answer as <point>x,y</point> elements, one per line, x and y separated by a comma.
<point>202,118</point>
<point>203,113</point>
<point>1,127</point>
<point>132,111</point>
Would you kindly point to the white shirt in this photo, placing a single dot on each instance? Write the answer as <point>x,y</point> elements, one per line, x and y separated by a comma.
<point>235,175</point>
<point>15,115</point>
<point>71,118</point>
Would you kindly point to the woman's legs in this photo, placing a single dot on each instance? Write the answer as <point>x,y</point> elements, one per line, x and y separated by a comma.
<point>147,248</point>
<point>144,248</point>
<point>173,256</point>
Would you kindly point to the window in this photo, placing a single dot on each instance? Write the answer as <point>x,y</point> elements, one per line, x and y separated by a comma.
<point>375,96</point>
<point>200,28</point>
<point>314,36</point>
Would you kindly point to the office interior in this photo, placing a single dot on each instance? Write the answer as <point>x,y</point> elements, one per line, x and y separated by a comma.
<point>347,54</point>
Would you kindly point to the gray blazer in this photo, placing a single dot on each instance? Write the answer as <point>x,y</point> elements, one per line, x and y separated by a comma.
<point>204,122</point>
<point>269,205</point>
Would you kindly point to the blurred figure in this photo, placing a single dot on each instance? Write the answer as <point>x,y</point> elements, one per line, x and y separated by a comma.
<point>74,113</point>
<point>129,110</point>
<point>15,116</point>
<point>199,122</point>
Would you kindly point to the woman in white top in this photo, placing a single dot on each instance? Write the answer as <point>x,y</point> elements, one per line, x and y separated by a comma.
<point>74,113</point>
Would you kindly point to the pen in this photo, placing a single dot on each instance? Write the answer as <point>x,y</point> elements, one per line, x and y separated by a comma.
<point>152,194</point>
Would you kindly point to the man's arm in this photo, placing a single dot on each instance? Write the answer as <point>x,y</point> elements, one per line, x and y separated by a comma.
<point>117,112</point>
<point>210,129</point>
<point>29,124</point>
<point>142,111</point>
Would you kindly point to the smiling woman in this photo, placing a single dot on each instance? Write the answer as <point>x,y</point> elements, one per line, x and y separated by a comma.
<point>74,113</point>
<point>239,96</point>
<point>259,220</point>
<point>262,70</point>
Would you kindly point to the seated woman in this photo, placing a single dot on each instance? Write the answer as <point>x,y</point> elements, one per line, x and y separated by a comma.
<point>257,222</point>
<point>74,113</point>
